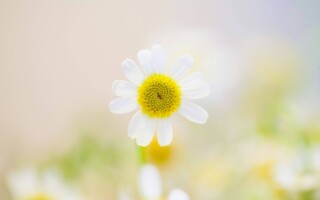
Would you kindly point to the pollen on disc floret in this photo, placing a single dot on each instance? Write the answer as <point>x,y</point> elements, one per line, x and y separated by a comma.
<point>159,96</point>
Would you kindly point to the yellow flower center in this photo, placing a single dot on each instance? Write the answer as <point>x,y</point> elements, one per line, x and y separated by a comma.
<point>39,197</point>
<point>159,96</point>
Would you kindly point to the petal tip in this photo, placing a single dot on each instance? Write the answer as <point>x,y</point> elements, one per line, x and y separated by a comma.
<point>111,107</point>
<point>142,144</point>
<point>205,120</point>
<point>123,105</point>
<point>194,113</point>
<point>126,62</point>
<point>164,144</point>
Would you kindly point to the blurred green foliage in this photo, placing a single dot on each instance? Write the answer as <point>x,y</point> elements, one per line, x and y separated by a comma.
<point>93,154</point>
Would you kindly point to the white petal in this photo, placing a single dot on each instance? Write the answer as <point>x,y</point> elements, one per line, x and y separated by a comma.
<point>150,182</point>
<point>158,58</point>
<point>193,113</point>
<point>52,182</point>
<point>23,183</point>
<point>124,88</point>
<point>201,91</point>
<point>145,136</point>
<point>145,60</point>
<point>178,194</point>
<point>165,133</point>
<point>123,105</point>
<point>182,66</point>
<point>136,125</point>
<point>191,81</point>
<point>132,71</point>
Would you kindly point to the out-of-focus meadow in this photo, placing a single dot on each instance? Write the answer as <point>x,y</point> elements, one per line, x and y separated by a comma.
<point>58,60</point>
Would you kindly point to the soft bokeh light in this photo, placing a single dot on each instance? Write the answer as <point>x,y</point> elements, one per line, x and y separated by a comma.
<point>58,60</point>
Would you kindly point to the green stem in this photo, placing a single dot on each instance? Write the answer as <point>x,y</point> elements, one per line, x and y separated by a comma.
<point>141,155</point>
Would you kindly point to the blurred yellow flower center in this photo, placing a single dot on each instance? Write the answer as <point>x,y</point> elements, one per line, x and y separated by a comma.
<point>39,197</point>
<point>157,154</point>
<point>159,96</point>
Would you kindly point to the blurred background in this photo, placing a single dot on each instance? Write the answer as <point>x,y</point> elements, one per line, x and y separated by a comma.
<point>58,60</point>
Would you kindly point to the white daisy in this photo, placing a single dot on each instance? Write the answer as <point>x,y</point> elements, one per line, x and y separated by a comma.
<point>151,187</point>
<point>158,95</point>
<point>27,184</point>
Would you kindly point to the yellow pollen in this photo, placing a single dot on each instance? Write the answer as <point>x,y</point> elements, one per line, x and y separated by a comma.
<point>159,96</point>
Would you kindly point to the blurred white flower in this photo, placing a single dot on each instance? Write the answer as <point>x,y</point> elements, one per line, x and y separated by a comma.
<point>300,173</point>
<point>178,194</point>
<point>158,95</point>
<point>27,184</point>
<point>293,180</point>
<point>151,186</point>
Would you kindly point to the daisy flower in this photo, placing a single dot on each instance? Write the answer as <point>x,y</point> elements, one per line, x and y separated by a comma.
<point>151,187</point>
<point>158,95</point>
<point>27,184</point>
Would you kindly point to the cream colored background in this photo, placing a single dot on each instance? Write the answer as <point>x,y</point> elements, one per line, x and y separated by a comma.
<point>59,58</point>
